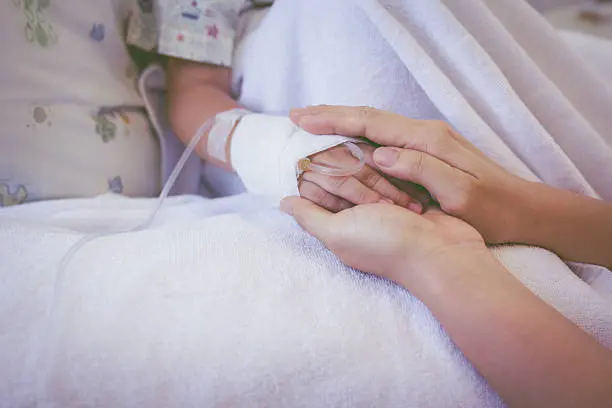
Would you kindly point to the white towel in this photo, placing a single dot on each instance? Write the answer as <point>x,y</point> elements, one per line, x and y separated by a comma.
<point>228,303</point>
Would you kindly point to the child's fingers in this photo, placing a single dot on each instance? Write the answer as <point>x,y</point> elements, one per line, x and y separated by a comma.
<point>415,191</point>
<point>377,182</point>
<point>348,188</point>
<point>337,157</point>
<point>366,187</point>
<point>318,195</point>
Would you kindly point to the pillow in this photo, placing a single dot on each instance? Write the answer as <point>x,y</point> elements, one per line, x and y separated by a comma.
<point>72,122</point>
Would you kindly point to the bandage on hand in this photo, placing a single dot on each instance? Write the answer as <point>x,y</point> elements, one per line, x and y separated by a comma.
<point>218,143</point>
<point>270,153</point>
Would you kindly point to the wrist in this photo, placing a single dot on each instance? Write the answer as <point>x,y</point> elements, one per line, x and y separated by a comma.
<point>216,146</point>
<point>573,226</point>
<point>534,210</point>
<point>429,276</point>
<point>522,213</point>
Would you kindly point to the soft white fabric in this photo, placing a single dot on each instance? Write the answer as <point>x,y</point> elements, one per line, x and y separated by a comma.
<point>233,305</point>
<point>495,70</point>
<point>596,52</point>
<point>64,64</point>
<point>266,149</point>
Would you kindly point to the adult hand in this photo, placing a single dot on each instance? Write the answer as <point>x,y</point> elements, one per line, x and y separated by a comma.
<point>508,334</point>
<point>443,261</point>
<point>366,187</point>
<point>388,240</point>
<point>464,181</point>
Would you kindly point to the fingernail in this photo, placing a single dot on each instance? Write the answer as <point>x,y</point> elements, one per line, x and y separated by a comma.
<point>415,207</point>
<point>385,201</point>
<point>386,156</point>
<point>286,207</point>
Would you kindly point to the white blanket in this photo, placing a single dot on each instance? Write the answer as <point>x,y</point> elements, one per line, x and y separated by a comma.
<point>227,303</point>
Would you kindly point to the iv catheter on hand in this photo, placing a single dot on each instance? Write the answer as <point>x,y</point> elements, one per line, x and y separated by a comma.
<point>226,123</point>
<point>341,170</point>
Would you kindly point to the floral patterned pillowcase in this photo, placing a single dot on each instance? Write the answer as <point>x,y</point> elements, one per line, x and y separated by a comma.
<point>72,120</point>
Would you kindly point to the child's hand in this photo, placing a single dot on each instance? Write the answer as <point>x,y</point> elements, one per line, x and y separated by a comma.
<point>366,187</point>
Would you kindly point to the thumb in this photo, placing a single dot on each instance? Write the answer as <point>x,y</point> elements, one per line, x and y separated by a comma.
<point>438,177</point>
<point>310,216</point>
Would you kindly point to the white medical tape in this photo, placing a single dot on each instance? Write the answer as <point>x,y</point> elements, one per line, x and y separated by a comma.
<point>221,131</point>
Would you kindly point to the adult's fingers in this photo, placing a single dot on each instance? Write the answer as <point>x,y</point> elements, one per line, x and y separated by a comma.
<point>414,191</point>
<point>316,194</point>
<point>353,113</point>
<point>314,219</point>
<point>351,121</point>
<point>448,185</point>
<point>436,138</point>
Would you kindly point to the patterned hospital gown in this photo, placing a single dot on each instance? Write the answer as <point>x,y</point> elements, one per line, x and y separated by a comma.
<point>195,30</point>
<point>73,122</point>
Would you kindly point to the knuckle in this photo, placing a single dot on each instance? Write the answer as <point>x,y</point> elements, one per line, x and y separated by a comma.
<point>364,196</point>
<point>319,196</point>
<point>455,204</point>
<point>414,163</point>
<point>437,138</point>
<point>367,112</point>
<point>312,192</point>
<point>370,177</point>
<point>459,202</point>
<point>437,135</point>
<point>441,126</point>
<point>335,184</point>
<point>370,195</point>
